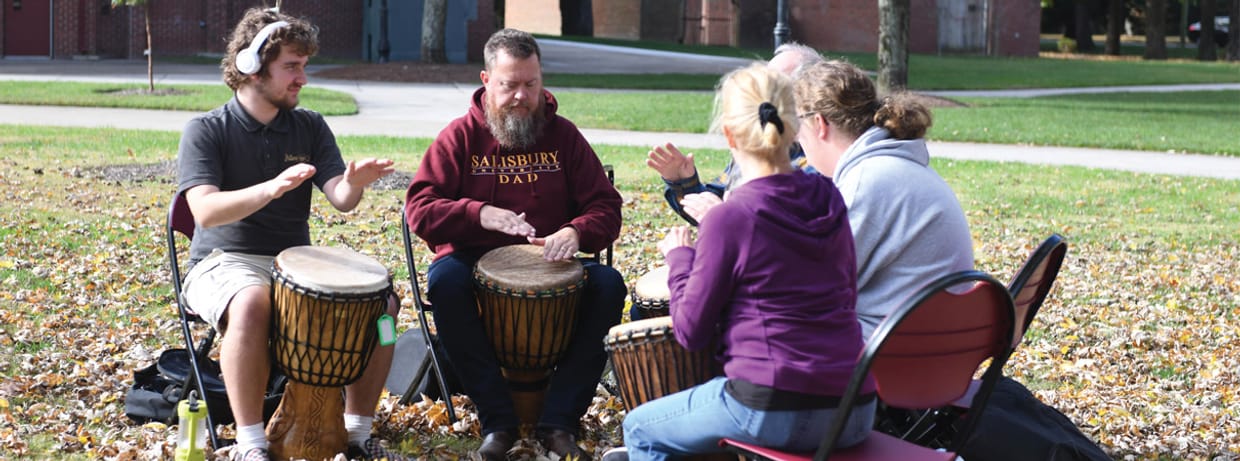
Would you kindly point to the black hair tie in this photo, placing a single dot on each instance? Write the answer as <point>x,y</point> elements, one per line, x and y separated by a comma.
<point>768,113</point>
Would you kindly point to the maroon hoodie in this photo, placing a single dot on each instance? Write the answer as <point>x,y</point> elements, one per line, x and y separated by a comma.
<point>557,182</point>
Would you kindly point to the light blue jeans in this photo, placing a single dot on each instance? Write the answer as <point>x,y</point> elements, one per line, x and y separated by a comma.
<point>693,420</point>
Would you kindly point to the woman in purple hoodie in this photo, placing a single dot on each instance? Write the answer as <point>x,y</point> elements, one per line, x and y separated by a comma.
<point>772,281</point>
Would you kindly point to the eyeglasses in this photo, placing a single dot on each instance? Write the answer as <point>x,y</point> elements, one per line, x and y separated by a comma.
<point>806,115</point>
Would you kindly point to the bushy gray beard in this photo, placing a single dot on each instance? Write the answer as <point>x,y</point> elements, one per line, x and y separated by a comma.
<point>514,131</point>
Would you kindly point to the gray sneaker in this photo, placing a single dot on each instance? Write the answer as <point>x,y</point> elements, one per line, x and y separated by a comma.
<point>372,450</point>
<point>253,454</point>
<point>616,454</point>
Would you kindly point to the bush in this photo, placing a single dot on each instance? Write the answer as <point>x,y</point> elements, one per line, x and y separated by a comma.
<point>1067,45</point>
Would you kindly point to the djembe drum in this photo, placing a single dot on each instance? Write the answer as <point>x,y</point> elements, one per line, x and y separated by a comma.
<point>649,363</point>
<point>651,293</point>
<point>326,302</point>
<point>529,309</point>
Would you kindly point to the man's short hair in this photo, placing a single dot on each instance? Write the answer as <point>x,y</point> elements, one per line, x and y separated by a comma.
<point>516,43</point>
<point>302,37</point>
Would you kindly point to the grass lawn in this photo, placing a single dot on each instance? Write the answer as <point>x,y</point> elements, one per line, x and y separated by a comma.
<point>1195,122</point>
<point>198,98</point>
<point>928,72</point>
<point>1141,324</point>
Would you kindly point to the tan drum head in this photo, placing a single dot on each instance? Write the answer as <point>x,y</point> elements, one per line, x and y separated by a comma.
<point>638,329</point>
<point>521,267</point>
<point>328,269</point>
<point>653,285</point>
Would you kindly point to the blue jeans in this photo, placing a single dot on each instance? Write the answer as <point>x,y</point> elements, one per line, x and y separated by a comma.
<point>692,422</point>
<point>450,289</point>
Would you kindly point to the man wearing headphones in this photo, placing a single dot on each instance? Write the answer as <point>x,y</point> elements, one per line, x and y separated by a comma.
<point>247,170</point>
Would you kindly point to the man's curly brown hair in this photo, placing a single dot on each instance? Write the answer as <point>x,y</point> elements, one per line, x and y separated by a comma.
<point>302,37</point>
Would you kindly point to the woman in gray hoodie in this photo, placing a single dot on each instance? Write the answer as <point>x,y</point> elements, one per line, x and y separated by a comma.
<point>908,226</point>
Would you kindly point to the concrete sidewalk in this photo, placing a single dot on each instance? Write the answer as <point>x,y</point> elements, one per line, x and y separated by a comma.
<point>421,110</point>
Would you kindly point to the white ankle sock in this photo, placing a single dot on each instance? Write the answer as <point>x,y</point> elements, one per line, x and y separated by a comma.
<point>358,427</point>
<point>252,436</point>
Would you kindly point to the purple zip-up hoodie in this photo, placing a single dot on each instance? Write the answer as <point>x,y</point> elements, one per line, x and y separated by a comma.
<point>773,278</point>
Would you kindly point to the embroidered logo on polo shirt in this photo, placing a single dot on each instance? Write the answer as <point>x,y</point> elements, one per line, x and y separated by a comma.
<point>296,158</point>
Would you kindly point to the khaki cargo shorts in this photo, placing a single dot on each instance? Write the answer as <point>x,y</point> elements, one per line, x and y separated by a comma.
<point>212,283</point>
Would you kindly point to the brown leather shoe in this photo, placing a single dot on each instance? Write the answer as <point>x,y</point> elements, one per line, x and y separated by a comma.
<point>562,443</point>
<point>495,446</point>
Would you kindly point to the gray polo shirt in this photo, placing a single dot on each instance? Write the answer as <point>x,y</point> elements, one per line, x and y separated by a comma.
<point>229,149</point>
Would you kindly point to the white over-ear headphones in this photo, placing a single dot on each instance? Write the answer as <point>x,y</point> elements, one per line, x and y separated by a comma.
<point>248,61</point>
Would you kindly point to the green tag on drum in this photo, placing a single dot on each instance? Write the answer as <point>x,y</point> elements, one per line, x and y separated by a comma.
<point>387,330</point>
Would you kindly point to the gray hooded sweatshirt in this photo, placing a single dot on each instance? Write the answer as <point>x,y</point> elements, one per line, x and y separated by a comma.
<point>907,224</point>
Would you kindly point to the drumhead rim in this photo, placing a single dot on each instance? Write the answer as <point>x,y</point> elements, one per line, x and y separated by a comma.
<point>292,285</point>
<point>525,293</point>
<point>366,276</point>
<point>661,328</point>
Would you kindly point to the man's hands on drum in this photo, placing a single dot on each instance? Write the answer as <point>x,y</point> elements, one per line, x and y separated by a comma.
<point>696,205</point>
<point>670,163</point>
<point>502,220</point>
<point>679,236</point>
<point>560,246</point>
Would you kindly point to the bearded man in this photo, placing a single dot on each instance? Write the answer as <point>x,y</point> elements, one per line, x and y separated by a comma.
<point>511,171</point>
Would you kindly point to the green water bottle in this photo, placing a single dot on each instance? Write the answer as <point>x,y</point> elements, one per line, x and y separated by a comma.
<point>191,428</point>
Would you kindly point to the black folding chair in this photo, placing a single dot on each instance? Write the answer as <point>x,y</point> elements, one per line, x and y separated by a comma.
<point>430,362</point>
<point>181,220</point>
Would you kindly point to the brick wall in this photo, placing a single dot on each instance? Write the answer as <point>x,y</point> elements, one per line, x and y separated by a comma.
<point>480,30</point>
<point>692,22</point>
<point>923,35</point>
<point>810,22</point>
<point>617,18</point>
<point>534,16</point>
<point>717,22</point>
<point>1017,24</point>
<point>65,39</point>
<point>188,27</point>
<point>339,23</point>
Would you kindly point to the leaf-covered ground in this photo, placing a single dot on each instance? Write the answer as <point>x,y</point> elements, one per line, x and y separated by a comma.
<point>1137,344</point>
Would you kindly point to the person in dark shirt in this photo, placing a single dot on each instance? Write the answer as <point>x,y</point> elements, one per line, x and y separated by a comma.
<point>247,170</point>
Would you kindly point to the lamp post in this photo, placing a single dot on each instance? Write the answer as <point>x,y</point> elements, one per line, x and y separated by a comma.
<point>781,23</point>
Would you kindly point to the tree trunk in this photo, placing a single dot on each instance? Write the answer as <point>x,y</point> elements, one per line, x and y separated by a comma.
<point>893,23</point>
<point>577,18</point>
<point>1156,29</point>
<point>434,19</point>
<point>1115,26</point>
<point>1233,32</point>
<point>150,53</point>
<point>1206,49</point>
<point>1084,33</point>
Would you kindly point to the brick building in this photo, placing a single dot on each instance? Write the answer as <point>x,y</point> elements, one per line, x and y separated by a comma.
<point>73,28</point>
<point>994,27</point>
